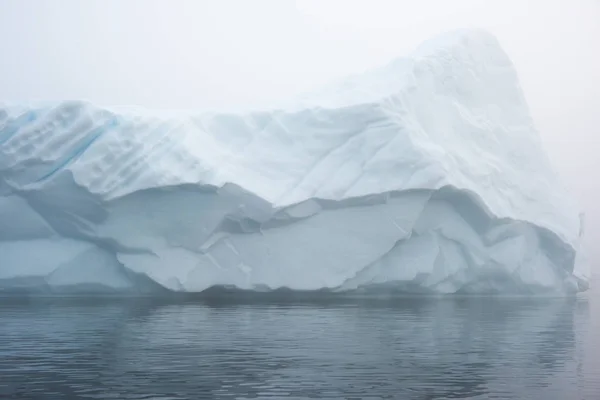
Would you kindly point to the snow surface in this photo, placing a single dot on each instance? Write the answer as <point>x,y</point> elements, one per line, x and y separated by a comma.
<point>424,175</point>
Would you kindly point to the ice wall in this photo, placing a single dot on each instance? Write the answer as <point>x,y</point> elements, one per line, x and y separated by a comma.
<point>424,175</point>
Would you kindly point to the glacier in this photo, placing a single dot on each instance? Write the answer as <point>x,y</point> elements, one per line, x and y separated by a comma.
<point>426,175</point>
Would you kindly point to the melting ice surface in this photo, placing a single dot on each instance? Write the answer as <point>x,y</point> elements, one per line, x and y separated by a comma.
<point>425,175</point>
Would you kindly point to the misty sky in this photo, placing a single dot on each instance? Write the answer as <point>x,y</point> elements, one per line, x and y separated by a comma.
<point>226,53</point>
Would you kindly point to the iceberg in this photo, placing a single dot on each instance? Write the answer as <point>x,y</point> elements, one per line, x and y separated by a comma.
<point>426,175</point>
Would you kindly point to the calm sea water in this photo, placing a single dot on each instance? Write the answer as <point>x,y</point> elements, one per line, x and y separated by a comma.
<point>210,349</point>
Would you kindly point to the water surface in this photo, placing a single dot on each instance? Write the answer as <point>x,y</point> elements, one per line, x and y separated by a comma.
<point>388,348</point>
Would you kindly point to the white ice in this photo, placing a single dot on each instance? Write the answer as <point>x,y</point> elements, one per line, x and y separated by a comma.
<point>424,175</point>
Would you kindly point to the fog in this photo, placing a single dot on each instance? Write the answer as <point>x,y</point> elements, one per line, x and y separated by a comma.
<point>225,53</point>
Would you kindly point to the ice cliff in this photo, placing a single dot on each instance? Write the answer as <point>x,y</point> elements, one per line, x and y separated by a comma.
<point>424,175</point>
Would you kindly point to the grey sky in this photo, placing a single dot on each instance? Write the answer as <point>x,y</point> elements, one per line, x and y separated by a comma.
<point>220,53</point>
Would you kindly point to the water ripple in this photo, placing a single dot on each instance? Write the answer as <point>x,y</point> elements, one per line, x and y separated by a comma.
<point>400,349</point>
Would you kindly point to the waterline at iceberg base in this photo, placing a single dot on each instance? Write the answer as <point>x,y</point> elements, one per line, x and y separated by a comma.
<point>424,176</point>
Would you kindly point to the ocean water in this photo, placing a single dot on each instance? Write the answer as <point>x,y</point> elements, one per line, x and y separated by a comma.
<point>325,348</point>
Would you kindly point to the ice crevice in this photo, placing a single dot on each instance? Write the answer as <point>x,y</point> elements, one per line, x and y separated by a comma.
<point>426,175</point>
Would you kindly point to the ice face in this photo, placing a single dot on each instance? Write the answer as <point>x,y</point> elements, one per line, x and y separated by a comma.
<point>426,174</point>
